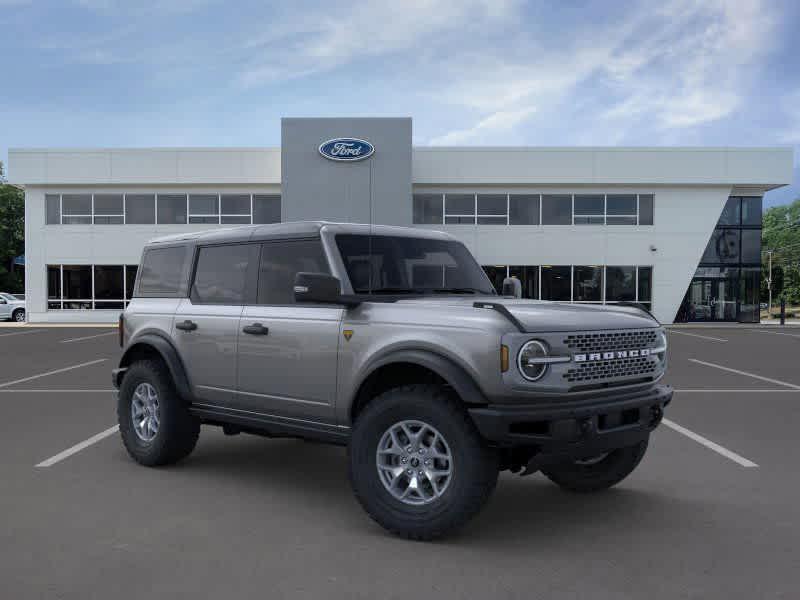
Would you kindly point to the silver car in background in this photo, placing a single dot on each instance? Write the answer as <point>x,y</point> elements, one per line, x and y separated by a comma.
<point>12,308</point>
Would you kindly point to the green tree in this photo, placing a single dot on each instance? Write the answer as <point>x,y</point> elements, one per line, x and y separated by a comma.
<point>12,235</point>
<point>781,235</point>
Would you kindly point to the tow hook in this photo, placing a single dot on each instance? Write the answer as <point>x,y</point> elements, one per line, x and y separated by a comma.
<point>656,414</point>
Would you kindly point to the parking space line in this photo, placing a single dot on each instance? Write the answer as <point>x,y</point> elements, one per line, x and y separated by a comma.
<point>87,337</point>
<point>26,391</point>
<point>22,332</point>
<point>745,391</point>
<point>745,373</point>
<point>78,447</point>
<point>697,335</point>
<point>794,335</point>
<point>56,371</point>
<point>740,460</point>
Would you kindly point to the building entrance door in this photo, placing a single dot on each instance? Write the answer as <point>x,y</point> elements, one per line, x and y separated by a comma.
<point>711,300</point>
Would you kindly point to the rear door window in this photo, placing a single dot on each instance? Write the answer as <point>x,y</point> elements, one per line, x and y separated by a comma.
<point>221,274</point>
<point>163,271</point>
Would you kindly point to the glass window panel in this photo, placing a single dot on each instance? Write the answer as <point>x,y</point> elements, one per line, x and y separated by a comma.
<point>207,220</point>
<point>730,214</point>
<point>266,208</point>
<point>621,204</point>
<point>620,284</point>
<point>203,204</point>
<point>108,220</point>
<point>106,305</point>
<point>723,247</point>
<point>236,204</point>
<point>557,210</point>
<point>751,246</point>
<point>140,209</point>
<point>162,271</point>
<point>78,282</point>
<point>583,220</point>
<point>587,283</point>
<point>427,209</point>
<point>589,204</point>
<point>76,204</point>
<point>459,220</point>
<point>492,204</point>
<point>556,283</point>
<point>281,262</point>
<point>108,204</point>
<point>523,209</point>
<point>84,305</point>
<point>235,220</point>
<point>646,209</point>
<point>220,274</point>
<point>54,282</point>
<point>751,211</point>
<point>172,209</point>
<point>621,221</point>
<point>750,294</point>
<point>54,306</point>
<point>130,280</point>
<point>529,278</point>
<point>645,284</point>
<point>491,220</point>
<point>108,282</point>
<point>68,220</point>
<point>53,209</point>
<point>459,204</point>
<point>496,274</point>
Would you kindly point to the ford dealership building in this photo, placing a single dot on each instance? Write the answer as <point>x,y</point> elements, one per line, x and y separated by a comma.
<point>677,229</point>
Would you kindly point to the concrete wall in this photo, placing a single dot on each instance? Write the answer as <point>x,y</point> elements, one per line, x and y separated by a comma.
<point>377,189</point>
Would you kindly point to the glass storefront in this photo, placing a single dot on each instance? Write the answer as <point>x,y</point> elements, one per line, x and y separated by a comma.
<point>726,283</point>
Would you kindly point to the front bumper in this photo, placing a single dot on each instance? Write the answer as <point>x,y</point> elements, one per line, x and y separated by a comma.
<point>575,429</point>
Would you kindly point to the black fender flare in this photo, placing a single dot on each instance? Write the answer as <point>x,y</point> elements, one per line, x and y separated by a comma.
<point>454,375</point>
<point>164,348</point>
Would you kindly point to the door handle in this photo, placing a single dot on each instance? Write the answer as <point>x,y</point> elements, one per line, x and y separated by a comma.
<point>187,325</point>
<point>256,329</point>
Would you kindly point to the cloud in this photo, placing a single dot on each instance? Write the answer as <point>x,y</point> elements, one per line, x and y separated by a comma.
<point>496,122</point>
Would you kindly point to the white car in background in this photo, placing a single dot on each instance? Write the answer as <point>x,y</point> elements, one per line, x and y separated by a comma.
<point>12,308</point>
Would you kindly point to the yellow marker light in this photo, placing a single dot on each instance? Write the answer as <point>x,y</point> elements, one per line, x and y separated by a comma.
<point>503,358</point>
<point>347,333</point>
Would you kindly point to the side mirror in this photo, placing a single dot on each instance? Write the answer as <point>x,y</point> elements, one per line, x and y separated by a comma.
<point>512,287</point>
<point>317,287</point>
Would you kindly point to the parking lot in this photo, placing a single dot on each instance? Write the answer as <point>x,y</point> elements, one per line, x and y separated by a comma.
<point>712,511</point>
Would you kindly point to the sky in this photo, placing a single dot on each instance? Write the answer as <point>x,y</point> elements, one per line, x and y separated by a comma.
<point>108,73</point>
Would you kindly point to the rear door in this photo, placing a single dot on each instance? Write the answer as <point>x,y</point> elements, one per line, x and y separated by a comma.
<point>288,351</point>
<point>206,325</point>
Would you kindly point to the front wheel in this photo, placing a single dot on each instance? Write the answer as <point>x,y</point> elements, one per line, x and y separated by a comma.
<point>417,464</point>
<point>599,472</point>
<point>19,315</point>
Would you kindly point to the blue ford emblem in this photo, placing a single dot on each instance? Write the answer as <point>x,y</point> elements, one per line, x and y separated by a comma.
<point>346,149</point>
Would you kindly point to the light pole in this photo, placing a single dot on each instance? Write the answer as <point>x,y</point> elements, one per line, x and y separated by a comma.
<point>769,286</point>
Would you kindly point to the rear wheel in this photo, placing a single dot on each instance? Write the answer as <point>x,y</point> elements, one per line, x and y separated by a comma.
<point>417,464</point>
<point>598,472</point>
<point>154,422</point>
<point>19,315</point>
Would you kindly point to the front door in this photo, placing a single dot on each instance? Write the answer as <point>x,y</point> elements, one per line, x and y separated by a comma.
<point>5,308</point>
<point>287,355</point>
<point>711,300</point>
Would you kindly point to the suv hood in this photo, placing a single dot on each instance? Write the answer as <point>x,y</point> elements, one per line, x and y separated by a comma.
<point>539,316</point>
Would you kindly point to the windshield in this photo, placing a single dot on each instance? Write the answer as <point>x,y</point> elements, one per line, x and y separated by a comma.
<point>383,264</point>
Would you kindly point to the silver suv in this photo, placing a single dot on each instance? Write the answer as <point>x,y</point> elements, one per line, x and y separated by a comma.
<point>393,342</point>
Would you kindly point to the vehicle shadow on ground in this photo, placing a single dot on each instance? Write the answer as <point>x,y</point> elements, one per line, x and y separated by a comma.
<point>313,477</point>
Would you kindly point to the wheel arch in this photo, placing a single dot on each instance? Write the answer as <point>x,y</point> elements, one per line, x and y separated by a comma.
<point>152,344</point>
<point>413,366</point>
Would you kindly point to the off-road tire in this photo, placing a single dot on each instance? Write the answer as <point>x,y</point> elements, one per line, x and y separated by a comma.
<point>18,315</point>
<point>178,430</point>
<point>612,469</point>
<point>475,466</point>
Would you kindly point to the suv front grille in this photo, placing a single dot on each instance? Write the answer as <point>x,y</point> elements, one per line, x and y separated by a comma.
<point>602,370</point>
<point>607,341</point>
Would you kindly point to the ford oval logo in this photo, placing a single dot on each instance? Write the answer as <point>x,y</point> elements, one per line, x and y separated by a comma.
<point>346,149</point>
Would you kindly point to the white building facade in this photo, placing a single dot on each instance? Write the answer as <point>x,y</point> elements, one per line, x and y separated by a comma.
<point>676,229</point>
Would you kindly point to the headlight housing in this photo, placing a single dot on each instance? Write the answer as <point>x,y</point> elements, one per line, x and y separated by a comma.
<point>528,360</point>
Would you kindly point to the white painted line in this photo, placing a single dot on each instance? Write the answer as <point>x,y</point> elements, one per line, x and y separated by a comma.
<point>745,373</point>
<point>702,391</point>
<point>87,337</point>
<point>78,447</point>
<point>697,335</point>
<point>24,379</point>
<point>740,460</point>
<point>794,335</point>
<point>98,391</point>
<point>22,332</point>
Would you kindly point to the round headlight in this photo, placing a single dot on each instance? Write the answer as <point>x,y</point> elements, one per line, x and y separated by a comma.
<point>526,360</point>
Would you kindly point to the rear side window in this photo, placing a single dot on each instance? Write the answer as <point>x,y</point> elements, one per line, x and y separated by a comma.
<point>163,271</point>
<point>280,262</point>
<point>221,274</point>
